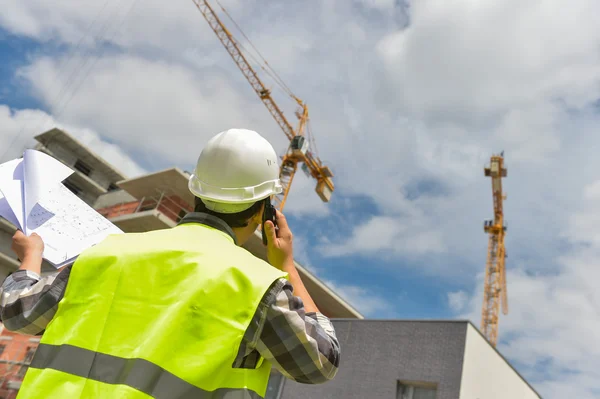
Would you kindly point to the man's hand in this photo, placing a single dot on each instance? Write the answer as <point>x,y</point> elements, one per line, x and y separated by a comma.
<point>280,253</point>
<point>27,248</point>
<point>280,250</point>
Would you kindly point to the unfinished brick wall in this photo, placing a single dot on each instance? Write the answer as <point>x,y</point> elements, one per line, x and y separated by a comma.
<point>171,206</point>
<point>120,209</point>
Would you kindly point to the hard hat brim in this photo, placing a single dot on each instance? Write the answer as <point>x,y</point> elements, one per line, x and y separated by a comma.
<point>221,207</point>
<point>233,195</point>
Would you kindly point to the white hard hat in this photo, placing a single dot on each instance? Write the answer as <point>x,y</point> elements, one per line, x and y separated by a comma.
<point>236,168</point>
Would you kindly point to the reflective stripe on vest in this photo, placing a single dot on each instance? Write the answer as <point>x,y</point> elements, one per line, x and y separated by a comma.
<point>139,374</point>
<point>179,298</point>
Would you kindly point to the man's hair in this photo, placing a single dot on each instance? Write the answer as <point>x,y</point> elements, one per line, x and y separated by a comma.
<point>238,219</point>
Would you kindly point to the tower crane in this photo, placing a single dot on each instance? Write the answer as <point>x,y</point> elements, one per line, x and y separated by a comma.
<point>298,150</point>
<point>494,291</point>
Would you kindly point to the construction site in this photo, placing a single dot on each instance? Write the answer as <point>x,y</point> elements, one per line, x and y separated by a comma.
<point>431,359</point>
<point>416,359</point>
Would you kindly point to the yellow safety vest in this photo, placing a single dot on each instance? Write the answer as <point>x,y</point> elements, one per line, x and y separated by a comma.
<point>154,315</point>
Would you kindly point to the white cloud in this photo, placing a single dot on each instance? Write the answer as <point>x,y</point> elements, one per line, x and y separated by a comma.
<point>460,60</point>
<point>18,127</point>
<point>365,301</point>
<point>531,132</point>
<point>551,328</point>
<point>382,5</point>
<point>303,201</point>
<point>154,107</point>
<point>468,82</point>
<point>129,23</point>
<point>457,300</point>
<point>405,117</point>
<point>436,121</point>
<point>162,109</point>
<point>389,235</point>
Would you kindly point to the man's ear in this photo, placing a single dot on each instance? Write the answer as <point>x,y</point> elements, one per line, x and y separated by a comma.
<point>257,218</point>
<point>259,215</point>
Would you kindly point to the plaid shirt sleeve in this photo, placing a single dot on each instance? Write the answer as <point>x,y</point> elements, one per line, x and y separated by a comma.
<point>302,346</point>
<point>28,302</point>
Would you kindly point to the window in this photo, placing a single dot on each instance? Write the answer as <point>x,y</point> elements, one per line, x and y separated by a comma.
<point>82,167</point>
<point>407,390</point>
<point>275,385</point>
<point>76,190</point>
<point>2,348</point>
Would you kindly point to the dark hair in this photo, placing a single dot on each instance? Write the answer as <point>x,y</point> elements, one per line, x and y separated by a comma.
<point>239,219</point>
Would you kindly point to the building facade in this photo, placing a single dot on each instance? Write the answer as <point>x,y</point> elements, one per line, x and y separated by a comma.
<point>402,359</point>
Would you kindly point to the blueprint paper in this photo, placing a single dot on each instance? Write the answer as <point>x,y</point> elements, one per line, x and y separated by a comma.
<point>67,224</point>
<point>41,173</point>
<point>35,200</point>
<point>6,212</point>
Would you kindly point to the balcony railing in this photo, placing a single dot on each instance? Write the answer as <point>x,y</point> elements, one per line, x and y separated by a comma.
<point>168,204</point>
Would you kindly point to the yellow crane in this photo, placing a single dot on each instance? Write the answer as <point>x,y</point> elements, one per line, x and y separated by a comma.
<point>494,291</point>
<point>298,150</point>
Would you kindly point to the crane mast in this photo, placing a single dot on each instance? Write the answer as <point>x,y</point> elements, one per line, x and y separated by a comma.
<point>494,291</point>
<point>298,150</point>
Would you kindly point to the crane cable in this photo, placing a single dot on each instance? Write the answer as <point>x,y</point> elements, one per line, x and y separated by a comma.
<point>271,72</point>
<point>312,142</point>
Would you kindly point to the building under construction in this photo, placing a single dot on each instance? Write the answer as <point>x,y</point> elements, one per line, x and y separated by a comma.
<point>380,359</point>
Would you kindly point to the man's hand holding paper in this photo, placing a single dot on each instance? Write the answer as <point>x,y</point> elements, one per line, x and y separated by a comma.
<point>34,199</point>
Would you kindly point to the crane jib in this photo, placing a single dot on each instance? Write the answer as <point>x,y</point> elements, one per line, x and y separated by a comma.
<point>290,162</point>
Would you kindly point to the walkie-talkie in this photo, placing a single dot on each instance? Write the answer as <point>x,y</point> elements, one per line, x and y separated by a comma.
<point>268,214</point>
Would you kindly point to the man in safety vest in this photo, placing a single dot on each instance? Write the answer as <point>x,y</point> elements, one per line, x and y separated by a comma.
<point>184,312</point>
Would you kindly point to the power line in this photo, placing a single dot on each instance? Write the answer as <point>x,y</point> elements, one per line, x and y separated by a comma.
<point>84,60</point>
<point>272,72</point>
<point>74,92</point>
<point>59,71</point>
<point>75,71</point>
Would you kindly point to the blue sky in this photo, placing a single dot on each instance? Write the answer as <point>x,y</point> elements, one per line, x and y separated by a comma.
<point>412,295</point>
<point>408,100</point>
<point>14,51</point>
